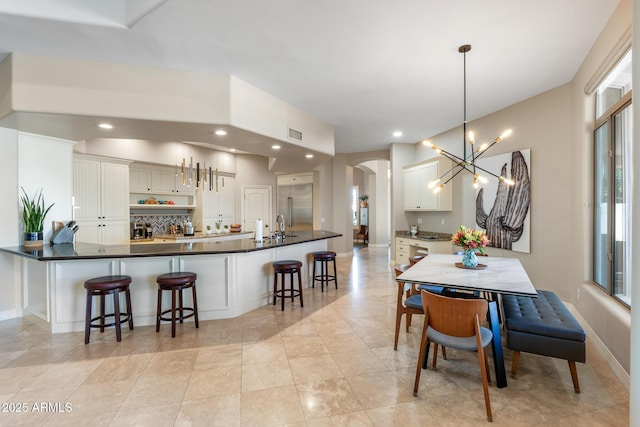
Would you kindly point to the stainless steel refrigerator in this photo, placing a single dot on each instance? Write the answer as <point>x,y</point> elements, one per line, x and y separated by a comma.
<point>295,202</point>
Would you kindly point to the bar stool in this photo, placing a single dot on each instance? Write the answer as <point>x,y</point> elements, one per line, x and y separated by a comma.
<point>176,283</point>
<point>323,258</point>
<point>282,268</point>
<point>102,286</point>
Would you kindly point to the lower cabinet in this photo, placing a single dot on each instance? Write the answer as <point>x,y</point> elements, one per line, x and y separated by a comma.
<point>103,232</point>
<point>407,247</point>
<point>402,251</point>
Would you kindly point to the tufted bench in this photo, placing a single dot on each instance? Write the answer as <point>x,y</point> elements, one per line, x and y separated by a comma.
<point>543,326</point>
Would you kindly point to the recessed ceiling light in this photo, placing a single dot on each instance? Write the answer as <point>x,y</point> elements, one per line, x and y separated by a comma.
<point>105,126</point>
<point>233,150</point>
<point>397,133</point>
<point>309,156</point>
<point>275,147</point>
<point>221,132</point>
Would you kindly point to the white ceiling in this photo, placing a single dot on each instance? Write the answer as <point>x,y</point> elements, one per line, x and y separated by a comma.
<point>368,67</point>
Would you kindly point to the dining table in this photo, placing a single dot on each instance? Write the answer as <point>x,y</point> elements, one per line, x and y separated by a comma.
<point>493,276</point>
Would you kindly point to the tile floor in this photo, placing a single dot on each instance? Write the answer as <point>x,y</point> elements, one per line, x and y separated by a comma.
<point>330,363</point>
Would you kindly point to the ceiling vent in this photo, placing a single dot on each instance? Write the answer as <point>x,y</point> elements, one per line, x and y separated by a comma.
<point>295,135</point>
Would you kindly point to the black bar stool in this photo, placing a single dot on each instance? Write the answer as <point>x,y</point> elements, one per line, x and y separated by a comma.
<point>282,268</point>
<point>102,286</point>
<point>323,257</point>
<point>176,282</point>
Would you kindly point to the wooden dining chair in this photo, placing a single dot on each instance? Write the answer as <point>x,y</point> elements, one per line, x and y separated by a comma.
<point>362,233</point>
<point>455,322</point>
<point>409,302</point>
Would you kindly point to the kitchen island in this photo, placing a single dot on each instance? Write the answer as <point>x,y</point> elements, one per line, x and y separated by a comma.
<point>234,276</point>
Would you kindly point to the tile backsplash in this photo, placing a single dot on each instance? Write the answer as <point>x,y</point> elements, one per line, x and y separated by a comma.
<point>161,223</point>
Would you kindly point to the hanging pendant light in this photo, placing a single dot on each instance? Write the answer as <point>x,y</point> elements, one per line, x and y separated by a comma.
<point>466,162</point>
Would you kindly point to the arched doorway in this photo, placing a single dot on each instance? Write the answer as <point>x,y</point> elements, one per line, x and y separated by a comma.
<point>371,224</point>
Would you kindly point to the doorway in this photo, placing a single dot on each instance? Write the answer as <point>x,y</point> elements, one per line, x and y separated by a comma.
<point>256,204</point>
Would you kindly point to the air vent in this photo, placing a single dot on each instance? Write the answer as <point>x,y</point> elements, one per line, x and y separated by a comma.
<point>296,135</point>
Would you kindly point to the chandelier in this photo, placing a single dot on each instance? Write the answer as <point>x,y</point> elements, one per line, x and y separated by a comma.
<point>466,162</point>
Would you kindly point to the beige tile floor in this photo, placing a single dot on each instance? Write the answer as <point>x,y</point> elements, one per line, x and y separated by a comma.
<point>330,363</point>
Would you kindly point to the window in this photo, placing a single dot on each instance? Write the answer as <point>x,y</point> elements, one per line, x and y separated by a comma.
<point>354,205</point>
<point>612,183</point>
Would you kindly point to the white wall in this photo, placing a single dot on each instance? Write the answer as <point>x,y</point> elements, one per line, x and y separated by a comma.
<point>324,178</point>
<point>634,417</point>
<point>33,162</point>
<point>10,231</point>
<point>609,319</point>
<point>168,153</point>
<point>47,163</point>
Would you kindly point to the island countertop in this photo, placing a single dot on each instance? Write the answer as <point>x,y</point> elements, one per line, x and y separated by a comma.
<point>78,251</point>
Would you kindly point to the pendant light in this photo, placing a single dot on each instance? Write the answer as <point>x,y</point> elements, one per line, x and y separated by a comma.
<point>466,162</point>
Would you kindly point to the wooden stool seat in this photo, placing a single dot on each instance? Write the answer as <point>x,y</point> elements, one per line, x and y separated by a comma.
<point>323,257</point>
<point>176,282</point>
<point>103,286</point>
<point>283,268</point>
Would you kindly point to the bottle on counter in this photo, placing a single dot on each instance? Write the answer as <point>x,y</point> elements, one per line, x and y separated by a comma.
<point>188,229</point>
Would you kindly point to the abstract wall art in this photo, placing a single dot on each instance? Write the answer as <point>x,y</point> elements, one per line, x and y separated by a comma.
<point>503,210</point>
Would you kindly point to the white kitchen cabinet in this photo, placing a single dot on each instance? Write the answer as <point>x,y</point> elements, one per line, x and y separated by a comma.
<point>402,251</point>
<point>168,181</point>
<point>407,247</point>
<point>417,194</point>
<point>157,180</point>
<point>212,206</point>
<point>104,232</point>
<point>101,192</point>
<point>139,180</point>
<point>163,181</point>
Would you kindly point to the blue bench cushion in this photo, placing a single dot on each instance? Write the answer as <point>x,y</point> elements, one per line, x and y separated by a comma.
<point>543,326</point>
<point>545,315</point>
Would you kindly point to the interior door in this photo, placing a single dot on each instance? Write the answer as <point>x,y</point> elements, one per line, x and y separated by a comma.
<point>256,205</point>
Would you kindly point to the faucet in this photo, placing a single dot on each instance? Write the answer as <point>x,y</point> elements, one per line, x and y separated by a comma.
<point>280,226</point>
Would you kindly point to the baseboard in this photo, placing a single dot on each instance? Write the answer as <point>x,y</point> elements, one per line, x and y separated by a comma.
<point>613,363</point>
<point>8,314</point>
<point>344,254</point>
<point>378,245</point>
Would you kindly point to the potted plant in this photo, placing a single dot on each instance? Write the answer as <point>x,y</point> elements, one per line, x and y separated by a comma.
<point>364,199</point>
<point>33,215</point>
<point>226,229</point>
<point>209,229</point>
<point>218,224</point>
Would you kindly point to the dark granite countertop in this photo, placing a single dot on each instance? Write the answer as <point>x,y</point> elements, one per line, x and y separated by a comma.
<point>428,236</point>
<point>92,251</point>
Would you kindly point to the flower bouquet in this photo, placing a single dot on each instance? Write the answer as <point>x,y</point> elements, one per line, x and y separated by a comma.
<point>471,241</point>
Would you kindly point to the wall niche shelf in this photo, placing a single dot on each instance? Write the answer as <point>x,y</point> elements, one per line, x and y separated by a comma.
<point>139,206</point>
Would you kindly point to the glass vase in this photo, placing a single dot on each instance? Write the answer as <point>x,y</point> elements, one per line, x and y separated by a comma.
<point>469,259</point>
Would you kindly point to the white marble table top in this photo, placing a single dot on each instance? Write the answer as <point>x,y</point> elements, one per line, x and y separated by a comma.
<point>502,275</point>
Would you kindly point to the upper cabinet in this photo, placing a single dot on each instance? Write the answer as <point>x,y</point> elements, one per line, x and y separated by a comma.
<point>101,189</point>
<point>101,192</point>
<point>161,183</point>
<point>216,205</point>
<point>156,180</point>
<point>139,179</point>
<point>417,195</point>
